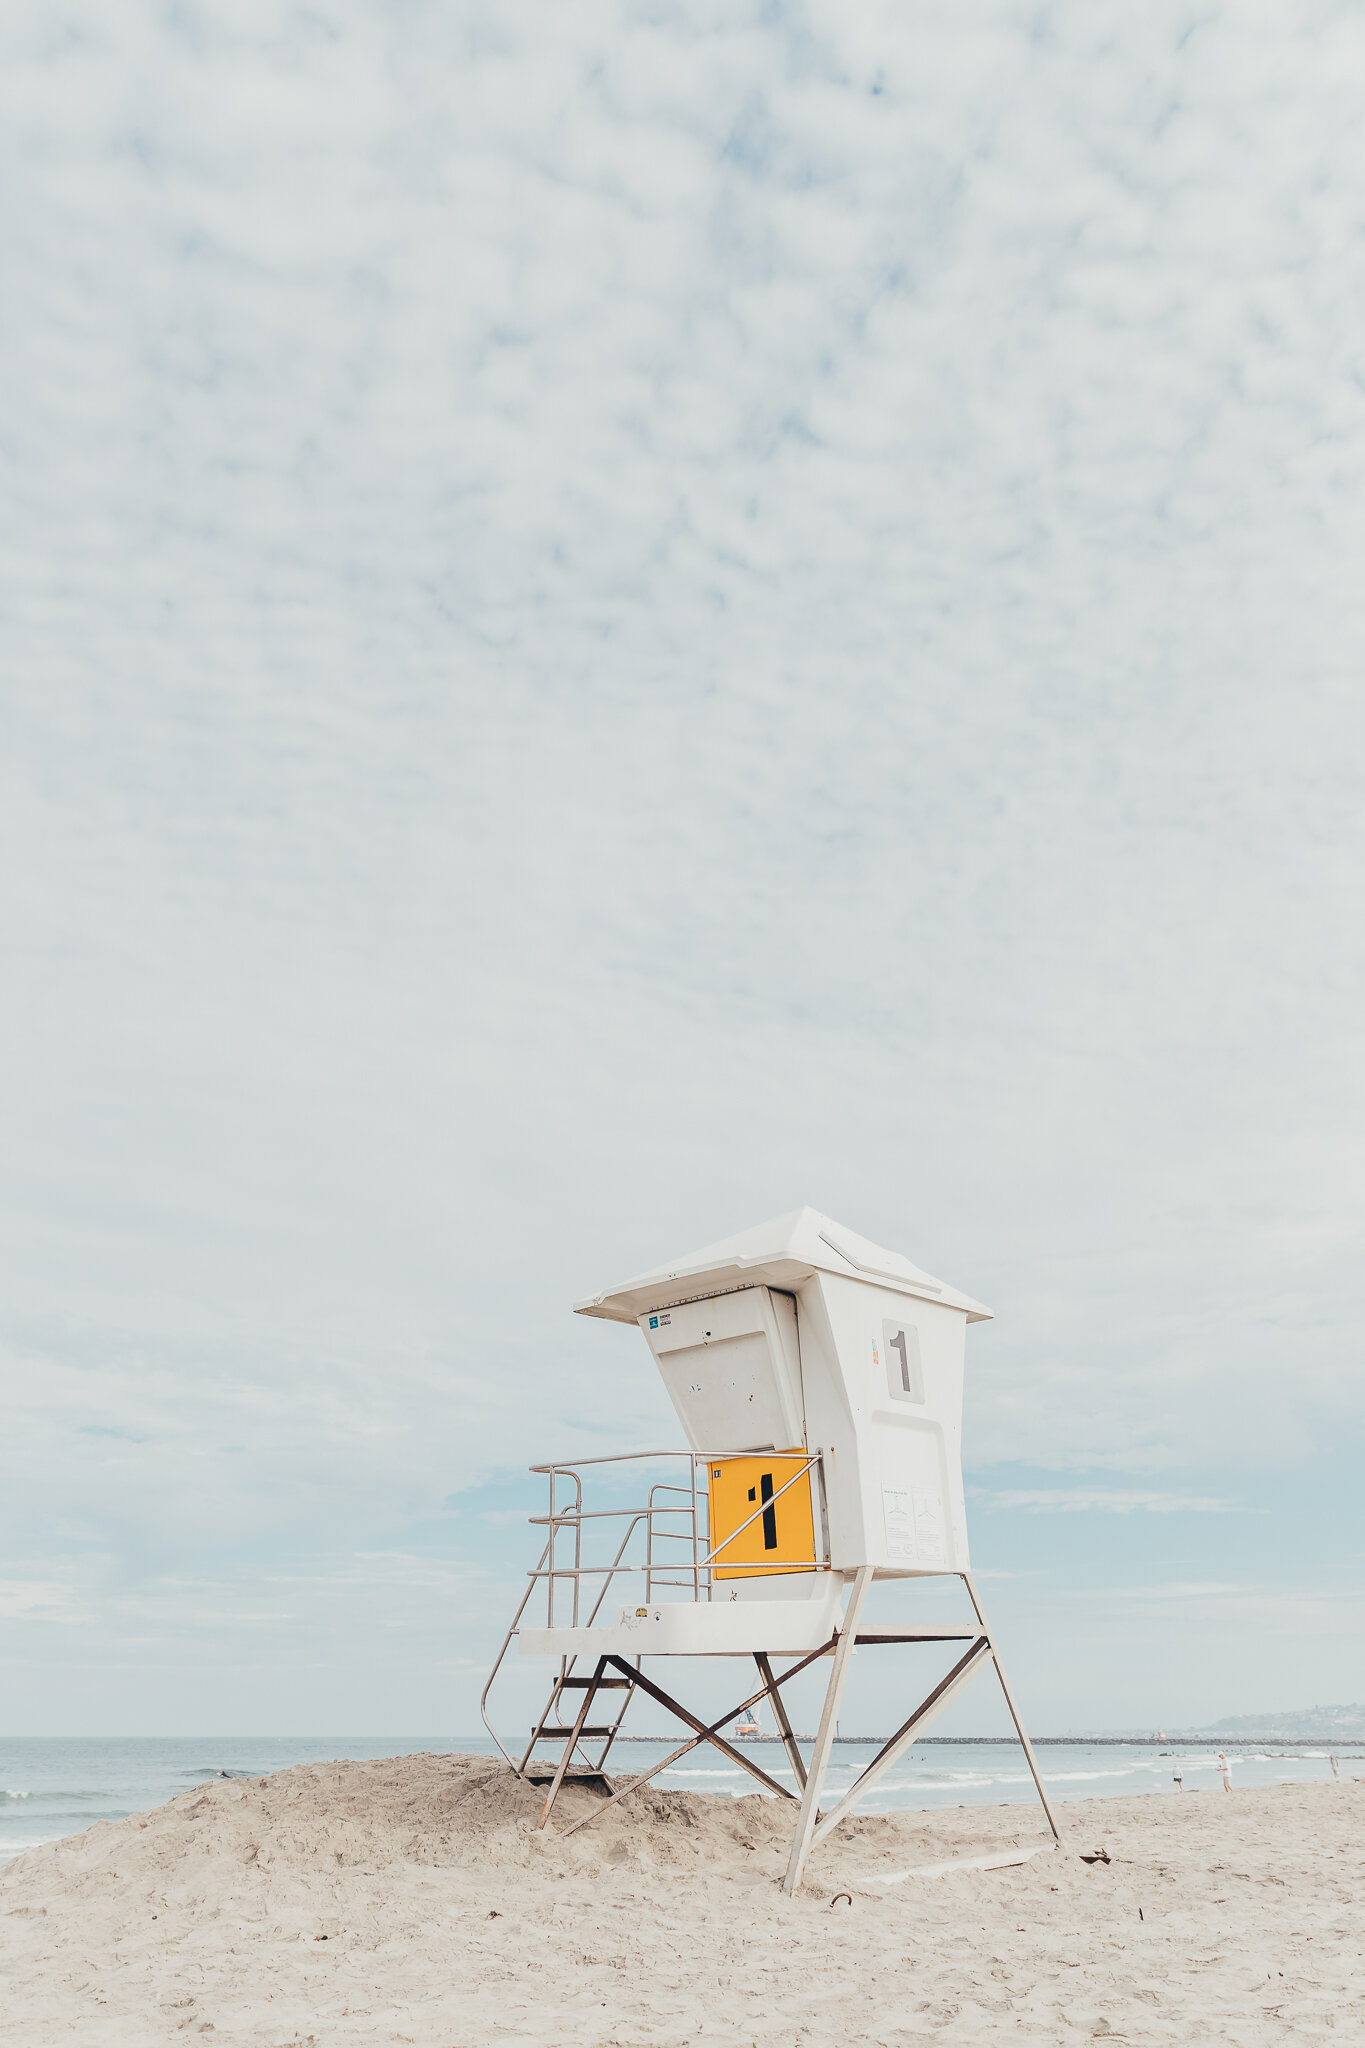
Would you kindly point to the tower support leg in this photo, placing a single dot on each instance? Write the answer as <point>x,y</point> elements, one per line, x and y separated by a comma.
<point>824,1741</point>
<point>892,1751</point>
<point>1019,1727</point>
<point>784,1726</point>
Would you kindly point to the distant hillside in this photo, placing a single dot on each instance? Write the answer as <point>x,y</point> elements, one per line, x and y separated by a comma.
<point>1347,1724</point>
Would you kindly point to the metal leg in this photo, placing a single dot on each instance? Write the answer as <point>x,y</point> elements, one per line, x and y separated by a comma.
<point>1019,1728</point>
<point>572,1743</point>
<point>962,1672</point>
<point>789,1742</point>
<point>810,1808</point>
<point>616,1725</point>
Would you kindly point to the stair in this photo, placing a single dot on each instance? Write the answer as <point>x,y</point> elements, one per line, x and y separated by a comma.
<point>544,1774</point>
<point>574,1763</point>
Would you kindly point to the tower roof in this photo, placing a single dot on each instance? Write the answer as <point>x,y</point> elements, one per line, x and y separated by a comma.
<point>780,1253</point>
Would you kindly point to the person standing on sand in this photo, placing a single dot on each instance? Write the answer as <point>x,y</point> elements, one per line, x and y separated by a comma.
<point>1226,1768</point>
<point>1336,1767</point>
<point>1179,1782</point>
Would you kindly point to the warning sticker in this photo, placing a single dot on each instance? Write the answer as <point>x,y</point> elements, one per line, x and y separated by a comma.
<point>929,1534</point>
<point>898,1511</point>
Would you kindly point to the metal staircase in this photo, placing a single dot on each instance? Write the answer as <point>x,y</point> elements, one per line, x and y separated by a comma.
<point>588,1769</point>
<point>668,1539</point>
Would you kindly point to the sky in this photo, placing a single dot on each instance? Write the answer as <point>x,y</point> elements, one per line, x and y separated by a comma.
<point>616,619</point>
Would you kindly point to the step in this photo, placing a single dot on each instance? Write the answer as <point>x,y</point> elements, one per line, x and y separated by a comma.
<point>544,1774</point>
<point>603,1684</point>
<point>563,1734</point>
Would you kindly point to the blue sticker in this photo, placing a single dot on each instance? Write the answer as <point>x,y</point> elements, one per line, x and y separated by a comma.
<point>654,1322</point>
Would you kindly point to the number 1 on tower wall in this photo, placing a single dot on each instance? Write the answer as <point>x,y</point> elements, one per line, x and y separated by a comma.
<point>904,1369</point>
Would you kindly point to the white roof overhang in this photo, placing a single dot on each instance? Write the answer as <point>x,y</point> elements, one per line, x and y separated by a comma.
<point>780,1254</point>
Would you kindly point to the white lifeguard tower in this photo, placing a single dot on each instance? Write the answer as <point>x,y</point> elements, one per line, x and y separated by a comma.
<point>818,1380</point>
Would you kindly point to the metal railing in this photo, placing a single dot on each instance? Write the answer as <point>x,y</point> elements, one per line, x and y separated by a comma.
<point>677,1543</point>
<point>578,1567</point>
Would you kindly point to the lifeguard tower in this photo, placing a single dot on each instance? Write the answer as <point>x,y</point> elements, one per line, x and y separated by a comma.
<point>818,1380</point>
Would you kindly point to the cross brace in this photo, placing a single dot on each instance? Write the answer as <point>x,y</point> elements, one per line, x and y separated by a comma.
<point>813,1825</point>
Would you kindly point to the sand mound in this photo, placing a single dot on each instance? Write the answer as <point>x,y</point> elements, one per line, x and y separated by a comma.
<point>454,1812</point>
<point>412,1900</point>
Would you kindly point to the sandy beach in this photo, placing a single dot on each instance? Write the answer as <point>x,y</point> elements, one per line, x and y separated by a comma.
<point>411,1901</point>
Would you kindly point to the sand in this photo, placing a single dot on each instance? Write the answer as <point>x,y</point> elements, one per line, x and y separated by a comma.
<point>410,1900</point>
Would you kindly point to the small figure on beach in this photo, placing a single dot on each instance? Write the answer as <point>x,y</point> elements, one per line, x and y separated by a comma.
<point>1179,1781</point>
<point>1226,1768</point>
<point>1336,1767</point>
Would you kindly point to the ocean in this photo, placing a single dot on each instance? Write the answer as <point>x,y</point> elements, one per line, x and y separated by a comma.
<point>54,1786</point>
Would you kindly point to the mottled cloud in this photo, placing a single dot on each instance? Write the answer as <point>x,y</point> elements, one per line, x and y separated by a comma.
<point>617,619</point>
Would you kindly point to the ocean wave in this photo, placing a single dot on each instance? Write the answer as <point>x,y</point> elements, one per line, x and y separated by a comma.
<point>44,1794</point>
<point>717,1773</point>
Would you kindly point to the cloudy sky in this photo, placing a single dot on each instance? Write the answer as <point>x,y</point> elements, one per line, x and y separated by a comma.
<point>617,618</point>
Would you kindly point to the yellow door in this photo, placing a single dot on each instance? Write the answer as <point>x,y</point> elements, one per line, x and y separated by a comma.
<point>781,1535</point>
